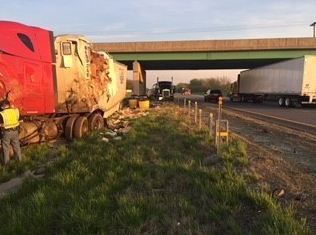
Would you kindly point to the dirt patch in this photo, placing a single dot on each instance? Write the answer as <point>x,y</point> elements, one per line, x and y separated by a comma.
<point>290,185</point>
<point>15,184</point>
<point>283,159</point>
<point>293,145</point>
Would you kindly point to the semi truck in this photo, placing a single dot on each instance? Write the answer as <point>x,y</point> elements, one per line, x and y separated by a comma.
<point>60,84</point>
<point>162,90</point>
<point>291,82</point>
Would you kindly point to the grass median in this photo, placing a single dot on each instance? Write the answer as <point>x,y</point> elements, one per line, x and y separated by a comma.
<point>154,181</point>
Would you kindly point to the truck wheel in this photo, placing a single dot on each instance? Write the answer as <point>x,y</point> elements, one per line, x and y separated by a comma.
<point>288,102</point>
<point>281,101</point>
<point>69,127</point>
<point>96,122</point>
<point>80,127</point>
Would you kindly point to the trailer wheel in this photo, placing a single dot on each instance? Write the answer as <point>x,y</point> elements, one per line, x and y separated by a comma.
<point>281,101</point>
<point>81,127</point>
<point>288,102</point>
<point>96,122</point>
<point>69,127</point>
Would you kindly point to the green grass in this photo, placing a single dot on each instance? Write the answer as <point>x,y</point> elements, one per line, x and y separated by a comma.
<point>152,182</point>
<point>33,156</point>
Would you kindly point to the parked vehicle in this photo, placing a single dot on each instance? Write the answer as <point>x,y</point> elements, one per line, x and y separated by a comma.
<point>289,82</point>
<point>162,90</point>
<point>186,91</point>
<point>212,95</point>
<point>61,86</point>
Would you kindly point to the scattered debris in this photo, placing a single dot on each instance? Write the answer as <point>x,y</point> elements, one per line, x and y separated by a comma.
<point>106,140</point>
<point>116,121</point>
<point>119,124</point>
<point>277,193</point>
<point>132,114</point>
<point>111,133</point>
<point>125,130</point>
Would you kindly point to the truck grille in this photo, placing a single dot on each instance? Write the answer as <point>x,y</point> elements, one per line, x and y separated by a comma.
<point>166,93</point>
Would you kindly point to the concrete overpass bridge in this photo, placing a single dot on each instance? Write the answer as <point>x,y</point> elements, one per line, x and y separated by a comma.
<point>204,54</point>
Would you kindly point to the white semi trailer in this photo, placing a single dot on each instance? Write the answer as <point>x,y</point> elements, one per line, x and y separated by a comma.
<point>288,82</point>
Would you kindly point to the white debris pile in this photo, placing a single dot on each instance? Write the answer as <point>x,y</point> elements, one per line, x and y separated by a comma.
<point>119,124</point>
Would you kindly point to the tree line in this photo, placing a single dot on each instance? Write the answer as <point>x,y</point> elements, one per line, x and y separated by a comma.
<point>198,85</point>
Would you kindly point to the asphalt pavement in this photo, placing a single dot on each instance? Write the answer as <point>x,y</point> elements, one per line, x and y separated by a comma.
<point>304,115</point>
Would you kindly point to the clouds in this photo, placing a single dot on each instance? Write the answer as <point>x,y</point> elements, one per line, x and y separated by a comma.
<point>143,20</point>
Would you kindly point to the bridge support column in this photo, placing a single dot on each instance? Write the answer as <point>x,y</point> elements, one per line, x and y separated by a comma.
<point>139,79</point>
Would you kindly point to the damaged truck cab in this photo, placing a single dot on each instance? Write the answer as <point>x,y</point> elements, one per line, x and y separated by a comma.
<point>87,80</point>
<point>61,85</point>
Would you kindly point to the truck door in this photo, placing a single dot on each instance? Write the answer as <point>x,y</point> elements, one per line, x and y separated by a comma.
<point>33,101</point>
<point>33,98</point>
<point>73,73</point>
<point>76,57</point>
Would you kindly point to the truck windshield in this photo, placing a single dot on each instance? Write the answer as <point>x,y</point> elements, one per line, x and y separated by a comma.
<point>216,92</point>
<point>165,85</point>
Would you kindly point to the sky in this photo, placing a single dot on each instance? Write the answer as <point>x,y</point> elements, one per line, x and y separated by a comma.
<point>145,20</point>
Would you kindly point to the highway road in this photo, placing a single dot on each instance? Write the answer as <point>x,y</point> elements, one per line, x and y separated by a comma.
<point>304,115</point>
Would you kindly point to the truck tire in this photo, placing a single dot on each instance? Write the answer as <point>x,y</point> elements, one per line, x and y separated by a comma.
<point>69,127</point>
<point>96,122</point>
<point>281,101</point>
<point>288,102</point>
<point>81,127</point>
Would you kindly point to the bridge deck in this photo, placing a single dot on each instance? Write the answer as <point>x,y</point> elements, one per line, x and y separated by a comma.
<point>209,45</point>
<point>209,54</point>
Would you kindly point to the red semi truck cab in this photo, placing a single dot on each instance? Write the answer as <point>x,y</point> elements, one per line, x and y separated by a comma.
<point>27,59</point>
<point>60,85</point>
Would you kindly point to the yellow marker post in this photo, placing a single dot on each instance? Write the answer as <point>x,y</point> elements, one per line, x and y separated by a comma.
<point>211,124</point>
<point>200,119</point>
<point>220,104</point>
<point>189,110</point>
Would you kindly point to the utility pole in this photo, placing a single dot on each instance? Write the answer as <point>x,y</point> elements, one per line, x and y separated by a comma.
<point>313,25</point>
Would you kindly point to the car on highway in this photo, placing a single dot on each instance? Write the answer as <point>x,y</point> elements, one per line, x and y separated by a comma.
<point>186,91</point>
<point>212,95</point>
